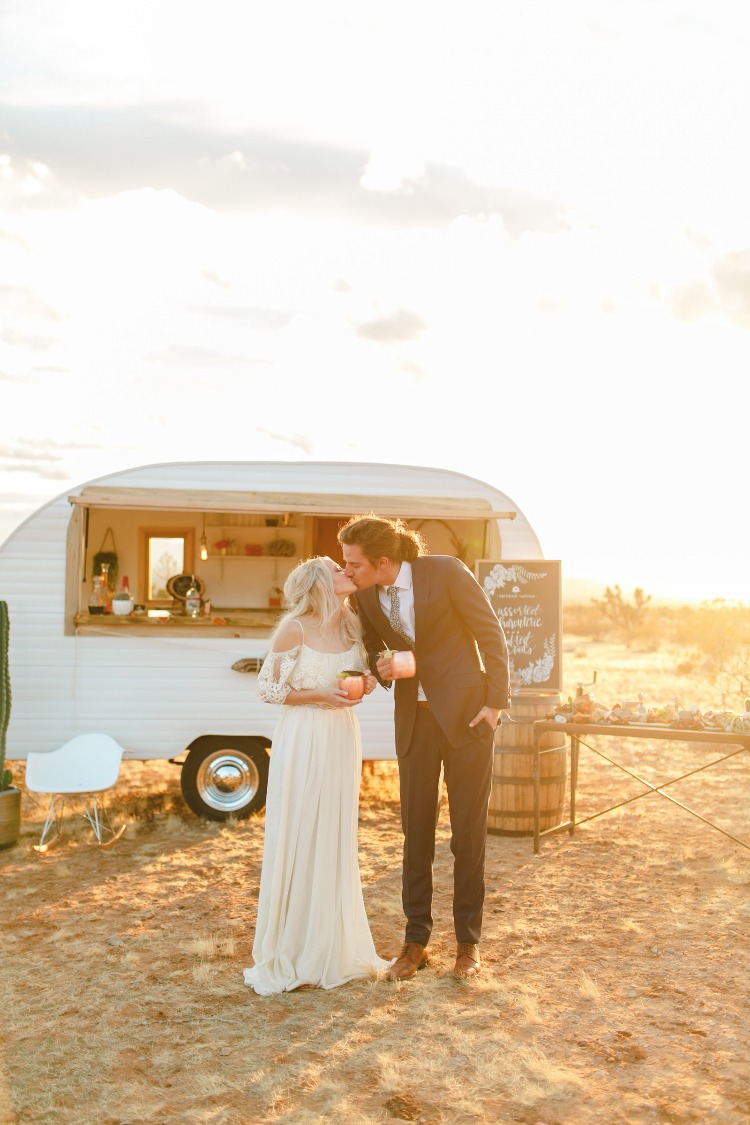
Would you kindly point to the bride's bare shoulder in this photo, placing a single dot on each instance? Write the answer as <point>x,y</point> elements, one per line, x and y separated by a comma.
<point>289,635</point>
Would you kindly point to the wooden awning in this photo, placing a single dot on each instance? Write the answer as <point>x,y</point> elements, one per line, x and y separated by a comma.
<point>317,504</point>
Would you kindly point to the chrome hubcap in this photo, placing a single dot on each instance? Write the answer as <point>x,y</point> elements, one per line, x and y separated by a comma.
<point>228,780</point>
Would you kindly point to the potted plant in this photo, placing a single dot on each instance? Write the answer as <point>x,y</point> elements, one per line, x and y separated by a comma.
<point>10,797</point>
<point>281,548</point>
<point>226,546</point>
<point>122,604</point>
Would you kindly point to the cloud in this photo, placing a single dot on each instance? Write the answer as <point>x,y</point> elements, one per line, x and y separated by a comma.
<point>184,355</point>
<point>414,370</point>
<point>731,275</point>
<point>17,300</point>
<point>693,301</point>
<point>14,239</point>
<point>400,326</point>
<point>43,447</point>
<point>29,340</point>
<point>262,320</point>
<point>18,500</point>
<point>298,441</point>
<point>44,472</point>
<point>99,152</point>
<point>32,457</point>
<point>45,459</point>
<point>726,292</point>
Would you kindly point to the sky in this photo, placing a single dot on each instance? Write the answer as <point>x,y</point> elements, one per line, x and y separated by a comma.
<point>510,239</point>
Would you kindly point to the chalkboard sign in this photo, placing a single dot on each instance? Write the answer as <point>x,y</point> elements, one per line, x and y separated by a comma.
<point>527,598</point>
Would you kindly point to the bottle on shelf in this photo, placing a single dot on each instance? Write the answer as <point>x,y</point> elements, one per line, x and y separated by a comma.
<point>275,594</point>
<point>193,598</point>
<point>98,599</point>
<point>106,587</point>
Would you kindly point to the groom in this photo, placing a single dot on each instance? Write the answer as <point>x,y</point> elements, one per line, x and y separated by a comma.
<point>445,715</point>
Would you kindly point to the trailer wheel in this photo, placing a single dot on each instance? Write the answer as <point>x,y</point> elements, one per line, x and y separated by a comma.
<point>225,776</point>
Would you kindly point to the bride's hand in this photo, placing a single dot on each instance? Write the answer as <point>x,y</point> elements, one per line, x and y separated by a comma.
<point>370,683</point>
<point>337,697</point>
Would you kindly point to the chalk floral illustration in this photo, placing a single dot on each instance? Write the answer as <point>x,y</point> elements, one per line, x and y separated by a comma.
<point>538,671</point>
<point>500,576</point>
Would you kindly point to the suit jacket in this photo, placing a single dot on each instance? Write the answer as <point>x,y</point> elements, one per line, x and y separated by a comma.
<point>454,623</point>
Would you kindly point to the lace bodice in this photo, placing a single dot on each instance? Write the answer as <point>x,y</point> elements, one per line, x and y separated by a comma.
<point>303,667</point>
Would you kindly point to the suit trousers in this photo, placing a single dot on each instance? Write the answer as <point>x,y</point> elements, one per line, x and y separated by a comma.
<point>468,778</point>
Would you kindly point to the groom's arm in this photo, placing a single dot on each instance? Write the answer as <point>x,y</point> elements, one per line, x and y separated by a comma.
<point>475,608</point>
<point>373,642</point>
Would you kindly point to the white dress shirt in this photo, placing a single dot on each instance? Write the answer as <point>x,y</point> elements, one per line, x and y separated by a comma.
<point>403,583</point>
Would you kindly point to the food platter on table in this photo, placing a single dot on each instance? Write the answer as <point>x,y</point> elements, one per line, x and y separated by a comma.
<point>584,709</point>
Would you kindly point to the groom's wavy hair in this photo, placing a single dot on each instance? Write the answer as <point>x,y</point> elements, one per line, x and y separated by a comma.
<point>380,538</point>
<point>308,592</point>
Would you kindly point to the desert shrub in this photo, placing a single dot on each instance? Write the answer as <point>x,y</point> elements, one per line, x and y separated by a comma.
<point>713,639</point>
<point>585,621</point>
<point>686,667</point>
<point>722,637</point>
<point>628,618</point>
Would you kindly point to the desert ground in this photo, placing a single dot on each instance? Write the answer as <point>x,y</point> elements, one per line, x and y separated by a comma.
<point>614,987</point>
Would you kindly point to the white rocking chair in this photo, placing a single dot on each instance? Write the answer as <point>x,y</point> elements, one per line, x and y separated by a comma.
<point>82,768</point>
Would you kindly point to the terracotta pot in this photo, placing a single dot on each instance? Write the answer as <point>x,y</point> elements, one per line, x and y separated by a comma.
<point>10,817</point>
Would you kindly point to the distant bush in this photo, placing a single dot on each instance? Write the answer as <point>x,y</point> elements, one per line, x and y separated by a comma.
<point>585,621</point>
<point>719,632</point>
<point>628,618</point>
<point>714,636</point>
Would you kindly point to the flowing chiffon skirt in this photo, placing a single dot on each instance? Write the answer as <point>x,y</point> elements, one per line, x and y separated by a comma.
<point>312,928</point>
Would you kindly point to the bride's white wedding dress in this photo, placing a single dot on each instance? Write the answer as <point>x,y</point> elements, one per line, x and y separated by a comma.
<point>311,928</point>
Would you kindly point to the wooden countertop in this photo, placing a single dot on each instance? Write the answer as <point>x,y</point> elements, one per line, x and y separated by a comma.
<point>238,623</point>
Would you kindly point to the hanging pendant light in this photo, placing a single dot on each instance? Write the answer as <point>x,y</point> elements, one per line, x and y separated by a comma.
<point>204,544</point>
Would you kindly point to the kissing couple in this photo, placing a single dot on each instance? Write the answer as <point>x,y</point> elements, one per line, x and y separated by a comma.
<point>312,929</point>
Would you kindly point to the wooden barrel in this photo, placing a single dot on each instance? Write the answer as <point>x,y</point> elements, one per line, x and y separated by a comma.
<point>511,811</point>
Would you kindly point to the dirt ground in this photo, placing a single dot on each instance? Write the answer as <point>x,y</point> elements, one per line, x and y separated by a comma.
<point>615,975</point>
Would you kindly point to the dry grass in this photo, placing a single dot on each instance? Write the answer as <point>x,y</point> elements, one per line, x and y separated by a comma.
<point>613,991</point>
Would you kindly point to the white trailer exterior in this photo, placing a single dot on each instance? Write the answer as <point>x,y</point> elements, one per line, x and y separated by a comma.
<point>159,689</point>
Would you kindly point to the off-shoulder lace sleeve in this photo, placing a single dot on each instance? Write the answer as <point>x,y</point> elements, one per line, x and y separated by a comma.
<point>272,686</point>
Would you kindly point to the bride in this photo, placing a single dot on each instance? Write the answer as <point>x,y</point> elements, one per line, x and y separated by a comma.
<point>312,929</point>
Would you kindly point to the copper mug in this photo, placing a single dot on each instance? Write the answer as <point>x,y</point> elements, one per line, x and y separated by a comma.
<point>353,683</point>
<point>403,664</point>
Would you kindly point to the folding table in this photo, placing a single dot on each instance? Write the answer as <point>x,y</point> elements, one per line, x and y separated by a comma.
<point>739,740</point>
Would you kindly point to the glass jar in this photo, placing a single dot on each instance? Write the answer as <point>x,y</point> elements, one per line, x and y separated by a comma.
<point>98,600</point>
<point>193,599</point>
<point>108,591</point>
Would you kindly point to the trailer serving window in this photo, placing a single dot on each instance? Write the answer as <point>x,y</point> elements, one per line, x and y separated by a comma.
<point>157,529</point>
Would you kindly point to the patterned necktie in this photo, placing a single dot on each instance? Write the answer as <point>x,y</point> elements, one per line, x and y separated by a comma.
<point>395,616</point>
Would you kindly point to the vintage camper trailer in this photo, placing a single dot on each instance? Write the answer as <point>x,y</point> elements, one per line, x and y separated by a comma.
<point>161,680</point>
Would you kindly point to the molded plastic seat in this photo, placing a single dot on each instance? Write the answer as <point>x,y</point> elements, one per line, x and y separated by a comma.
<point>85,765</point>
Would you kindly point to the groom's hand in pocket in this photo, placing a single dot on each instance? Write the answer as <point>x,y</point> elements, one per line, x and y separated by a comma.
<point>489,715</point>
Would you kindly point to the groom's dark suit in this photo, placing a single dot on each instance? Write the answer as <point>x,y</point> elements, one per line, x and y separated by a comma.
<point>454,623</point>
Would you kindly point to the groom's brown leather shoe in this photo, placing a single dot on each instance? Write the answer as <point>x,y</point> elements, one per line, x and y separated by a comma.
<point>413,958</point>
<point>468,960</point>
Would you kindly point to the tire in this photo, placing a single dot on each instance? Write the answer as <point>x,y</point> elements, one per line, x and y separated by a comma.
<point>225,776</point>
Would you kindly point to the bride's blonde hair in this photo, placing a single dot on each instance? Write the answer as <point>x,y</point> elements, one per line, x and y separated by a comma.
<point>308,592</point>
